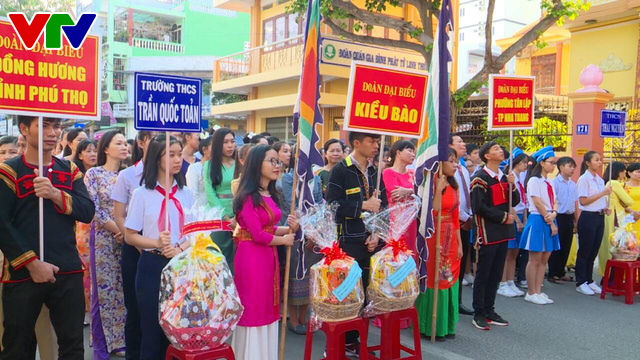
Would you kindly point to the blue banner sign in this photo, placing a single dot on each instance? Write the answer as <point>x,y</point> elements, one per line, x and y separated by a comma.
<point>167,103</point>
<point>613,123</point>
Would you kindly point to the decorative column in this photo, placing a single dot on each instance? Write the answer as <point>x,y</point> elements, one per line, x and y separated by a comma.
<point>588,102</point>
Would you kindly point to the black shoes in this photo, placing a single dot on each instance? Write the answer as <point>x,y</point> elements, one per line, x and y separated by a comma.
<point>464,311</point>
<point>480,322</point>
<point>495,319</point>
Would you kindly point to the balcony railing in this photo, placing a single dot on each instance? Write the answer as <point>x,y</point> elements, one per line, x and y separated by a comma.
<point>260,59</point>
<point>158,45</point>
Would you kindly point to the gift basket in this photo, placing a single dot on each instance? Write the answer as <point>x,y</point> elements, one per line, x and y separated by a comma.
<point>336,281</point>
<point>623,241</point>
<point>199,304</point>
<point>393,281</point>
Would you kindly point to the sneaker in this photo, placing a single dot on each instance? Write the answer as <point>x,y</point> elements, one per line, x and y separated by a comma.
<point>535,299</point>
<point>515,289</point>
<point>505,290</point>
<point>546,298</point>
<point>480,322</point>
<point>495,319</point>
<point>352,350</point>
<point>595,288</point>
<point>585,289</point>
<point>523,284</point>
<point>468,278</point>
<point>465,282</point>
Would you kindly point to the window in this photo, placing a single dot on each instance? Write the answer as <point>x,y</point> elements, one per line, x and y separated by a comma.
<point>119,77</point>
<point>461,36</point>
<point>543,67</point>
<point>280,28</point>
<point>280,127</point>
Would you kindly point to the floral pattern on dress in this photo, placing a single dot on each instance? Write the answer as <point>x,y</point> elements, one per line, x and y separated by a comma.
<point>106,257</point>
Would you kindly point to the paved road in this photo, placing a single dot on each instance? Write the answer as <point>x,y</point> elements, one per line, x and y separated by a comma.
<point>574,327</point>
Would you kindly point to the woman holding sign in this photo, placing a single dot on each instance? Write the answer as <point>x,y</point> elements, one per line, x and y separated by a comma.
<point>257,210</point>
<point>446,200</point>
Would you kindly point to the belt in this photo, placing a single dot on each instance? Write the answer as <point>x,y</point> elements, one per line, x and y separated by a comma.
<point>600,212</point>
<point>155,252</point>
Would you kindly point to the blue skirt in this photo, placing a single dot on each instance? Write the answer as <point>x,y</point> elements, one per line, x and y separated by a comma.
<point>536,235</point>
<point>515,243</point>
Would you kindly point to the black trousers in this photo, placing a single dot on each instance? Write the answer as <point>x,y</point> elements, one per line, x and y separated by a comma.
<point>359,252</point>
<point>132,332</point>
<point>488,275</point>
<point>466,252</point>
<point>154,342</point>
<point>521,265</point>
<point>558,258</point>
<point>22,303</point>
<point>590,231</point>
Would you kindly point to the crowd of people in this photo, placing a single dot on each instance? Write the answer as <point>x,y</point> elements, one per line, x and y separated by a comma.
<point>503,222</point>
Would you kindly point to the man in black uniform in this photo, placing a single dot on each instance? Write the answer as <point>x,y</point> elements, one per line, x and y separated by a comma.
<point>29,280</point>
<point>494,228</point>
<point>352,185</point>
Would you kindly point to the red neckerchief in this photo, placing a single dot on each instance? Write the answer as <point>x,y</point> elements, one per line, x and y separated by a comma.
<point>176,202</point>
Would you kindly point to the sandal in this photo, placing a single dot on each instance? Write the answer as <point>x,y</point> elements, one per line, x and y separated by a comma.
<point>568,278</point>
<point>556,280</point>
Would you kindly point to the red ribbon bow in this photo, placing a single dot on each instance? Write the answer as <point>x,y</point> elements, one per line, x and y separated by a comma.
<point>333,253</point>
<point>398,246</point>
<point>176,202</point>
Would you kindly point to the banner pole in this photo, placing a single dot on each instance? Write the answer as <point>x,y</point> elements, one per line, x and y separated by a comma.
<point>510,166</point>
<point>382,140</point>
<point>167,179</point>
<point>610,167</point>
<point>436,270</point>
<point>40,200</point>
<point>287,272</point>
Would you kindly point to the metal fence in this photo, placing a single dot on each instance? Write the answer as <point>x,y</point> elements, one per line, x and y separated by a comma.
<point>552,125</point>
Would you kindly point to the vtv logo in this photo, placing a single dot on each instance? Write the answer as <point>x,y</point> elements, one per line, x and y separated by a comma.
<point>52,24</point>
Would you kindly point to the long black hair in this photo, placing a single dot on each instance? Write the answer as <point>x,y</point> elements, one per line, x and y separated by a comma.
<point>250,180</point>
<point>451,179</point>
<point>277,146</point>
<point>103,145</point>
<point>631,168</point>
<point>84,144</point>
<point>152,160</point>
<point>614,169</point>
<point>71,135</point>
<point>137,153</point>
<point>587,158</point>
<point>215,168</point>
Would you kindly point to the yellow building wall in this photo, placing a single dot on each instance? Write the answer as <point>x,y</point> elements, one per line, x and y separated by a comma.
<point>594,45</point>
<point>277,89</point>
<point>566,65</point>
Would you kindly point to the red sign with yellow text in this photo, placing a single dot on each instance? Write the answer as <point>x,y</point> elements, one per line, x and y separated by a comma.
<point>511,102</point>
<point>54,83</point>
<point>385,100</point>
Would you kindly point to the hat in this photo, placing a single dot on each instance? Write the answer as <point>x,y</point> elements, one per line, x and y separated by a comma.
<point>504,165</point>
<point>514,154</point>
<point>543,154</point>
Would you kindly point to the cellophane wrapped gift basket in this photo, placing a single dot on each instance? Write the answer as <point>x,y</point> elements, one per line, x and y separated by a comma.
<point>393,281</point>
<point>199,304</point>
<point>336,283</point>
<point>624,242</point>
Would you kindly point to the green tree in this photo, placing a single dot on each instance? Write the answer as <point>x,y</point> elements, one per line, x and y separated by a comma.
<point>338,14</point>
<point>30,7</point>
<point>545,132</point>
<point>219,98</point>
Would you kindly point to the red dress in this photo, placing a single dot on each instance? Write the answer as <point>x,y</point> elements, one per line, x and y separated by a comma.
<point>449,262</point>
<point>392,180</point>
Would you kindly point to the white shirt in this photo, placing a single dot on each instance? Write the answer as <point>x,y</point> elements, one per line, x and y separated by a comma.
<point>465,206</point>
<point>195,182</point>
<point>145,207</point>
<point>589,185</point>
<point>499,175</point>
<point>537,187</point>
<point>522,205</point>
<point>128,180</point>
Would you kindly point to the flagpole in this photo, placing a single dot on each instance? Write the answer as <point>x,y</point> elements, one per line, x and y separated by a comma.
<point>292,209</point>
<point>436,270</point>
<point>510,166</point>
<point>40,199</point>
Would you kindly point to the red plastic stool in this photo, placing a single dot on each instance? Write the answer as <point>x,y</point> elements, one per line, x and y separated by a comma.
<point>625,279</point>
<point>223,352</point>
<point>390,347</point>
<point>335,331</point>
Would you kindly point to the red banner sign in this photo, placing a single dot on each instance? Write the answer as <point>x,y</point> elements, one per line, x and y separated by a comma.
<point>61,83</point>
<point>511,102</point>
<point>385,100</point>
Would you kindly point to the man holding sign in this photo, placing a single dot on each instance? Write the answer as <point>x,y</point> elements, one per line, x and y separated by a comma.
<point>32,281</point>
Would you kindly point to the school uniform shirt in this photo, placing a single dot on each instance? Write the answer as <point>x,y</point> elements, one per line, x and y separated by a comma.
<point>20,241</point>
<point>146,212</point>
<point>566,194</point>
<point>524,201</point>
<point>128,180</point>
<point>464,181</point>
<point>589,185</point>
<point>541,188</point>
<point>195,182</point>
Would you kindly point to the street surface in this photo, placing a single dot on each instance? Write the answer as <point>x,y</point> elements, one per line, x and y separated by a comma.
<point>574,327</point>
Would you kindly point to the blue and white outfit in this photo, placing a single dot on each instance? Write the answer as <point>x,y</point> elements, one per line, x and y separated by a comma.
<point>537,236</point>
